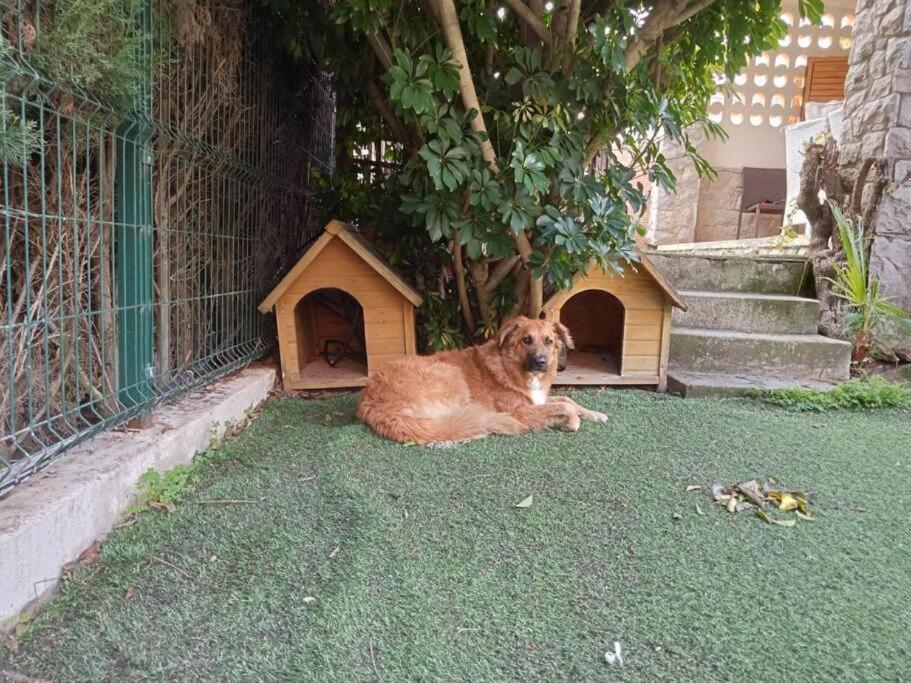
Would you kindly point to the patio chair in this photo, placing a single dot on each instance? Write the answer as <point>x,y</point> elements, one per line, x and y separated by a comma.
<point>764,192</point>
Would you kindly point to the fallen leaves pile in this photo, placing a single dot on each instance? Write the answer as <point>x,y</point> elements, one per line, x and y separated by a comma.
<point>751,495</point>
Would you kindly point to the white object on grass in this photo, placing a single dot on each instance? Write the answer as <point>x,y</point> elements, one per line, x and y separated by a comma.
<point>615,657</point>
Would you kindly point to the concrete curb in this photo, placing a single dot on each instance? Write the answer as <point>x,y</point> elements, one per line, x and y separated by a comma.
<point>52,517</point>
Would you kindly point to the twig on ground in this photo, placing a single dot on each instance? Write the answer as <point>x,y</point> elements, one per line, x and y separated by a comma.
<point>172,566</point>
<point>373,661</point>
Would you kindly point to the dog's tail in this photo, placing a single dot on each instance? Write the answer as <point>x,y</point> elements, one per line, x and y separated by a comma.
<point>463,423</point>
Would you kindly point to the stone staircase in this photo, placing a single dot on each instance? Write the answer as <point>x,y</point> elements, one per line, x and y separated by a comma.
<point>750,324</point>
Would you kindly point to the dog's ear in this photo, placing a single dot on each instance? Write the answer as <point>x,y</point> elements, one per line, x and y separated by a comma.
<point>562,332</point>
<point>509,328</point>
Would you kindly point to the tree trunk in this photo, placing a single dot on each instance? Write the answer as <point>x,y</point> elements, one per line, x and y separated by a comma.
<point>446,14</point>
<point>459,269</point>
<point>860,346</point>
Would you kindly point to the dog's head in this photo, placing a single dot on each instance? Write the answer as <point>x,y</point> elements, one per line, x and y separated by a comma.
<point>533,344</point>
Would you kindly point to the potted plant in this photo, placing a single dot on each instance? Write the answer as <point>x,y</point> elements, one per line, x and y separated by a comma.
<point>867,308</point>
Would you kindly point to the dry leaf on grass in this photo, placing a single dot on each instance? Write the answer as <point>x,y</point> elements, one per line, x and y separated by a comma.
<point>89,556</point>
<point>772,520</point>
<point>749,495</point>
<point>526,503</point>
<point>784,500</point>
<point>130,594</point>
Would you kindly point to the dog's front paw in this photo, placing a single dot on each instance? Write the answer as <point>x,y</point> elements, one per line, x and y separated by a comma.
<point>598,417</point>
<point>572,422</point>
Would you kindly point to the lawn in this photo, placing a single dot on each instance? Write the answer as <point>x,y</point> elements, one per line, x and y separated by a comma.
<point>363,559</point>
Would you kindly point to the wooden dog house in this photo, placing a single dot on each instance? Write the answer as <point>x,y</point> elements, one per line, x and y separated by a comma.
<point>621,326</point>
<point>340,312</point>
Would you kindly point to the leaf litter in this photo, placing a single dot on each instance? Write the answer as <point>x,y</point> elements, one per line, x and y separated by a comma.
<point>761,498</point>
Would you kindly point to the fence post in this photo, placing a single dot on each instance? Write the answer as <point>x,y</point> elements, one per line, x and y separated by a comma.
<point>135,241</point>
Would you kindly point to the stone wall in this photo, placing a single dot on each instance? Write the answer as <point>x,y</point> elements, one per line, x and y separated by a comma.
<point>672,215</point>
<point>878,125</point>
<point>716,217</point>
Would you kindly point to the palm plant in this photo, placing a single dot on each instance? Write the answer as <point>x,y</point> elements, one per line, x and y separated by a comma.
<point>852,283</point>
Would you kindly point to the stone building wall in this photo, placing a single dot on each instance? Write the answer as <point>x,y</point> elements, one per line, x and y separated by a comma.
<point>878,125</point>
<point>672,215</point>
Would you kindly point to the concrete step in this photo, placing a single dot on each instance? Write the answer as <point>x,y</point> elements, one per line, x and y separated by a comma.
<point>800,356</point>
<point>742,312</point>
<point>758,275</point>
<point>712,385</point>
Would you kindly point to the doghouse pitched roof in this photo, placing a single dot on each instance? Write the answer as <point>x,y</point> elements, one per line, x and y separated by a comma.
<point>649,268</point>
<point>360,246</point>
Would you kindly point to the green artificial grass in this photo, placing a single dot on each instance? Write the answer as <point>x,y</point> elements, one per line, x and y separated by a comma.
<point>421,567</point>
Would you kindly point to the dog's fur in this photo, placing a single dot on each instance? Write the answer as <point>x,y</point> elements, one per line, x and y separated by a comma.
<point>500,387</point>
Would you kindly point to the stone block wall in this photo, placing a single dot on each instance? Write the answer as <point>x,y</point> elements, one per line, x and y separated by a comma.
<point>672,215</point>
<point>878,125</point>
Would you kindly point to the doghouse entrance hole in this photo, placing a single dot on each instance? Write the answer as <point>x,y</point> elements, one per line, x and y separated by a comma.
<point>595,320</point>
<point>331,346</point>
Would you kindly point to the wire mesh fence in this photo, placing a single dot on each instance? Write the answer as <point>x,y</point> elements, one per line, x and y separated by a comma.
<point>155,160</point>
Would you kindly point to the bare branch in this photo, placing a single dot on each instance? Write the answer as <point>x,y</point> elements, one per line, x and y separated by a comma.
<point>381,49</point>
<point>572,22</point>
<point>499,273</point>
<point>530,19</point>
<point>459,268</point>
<point>452,32</point>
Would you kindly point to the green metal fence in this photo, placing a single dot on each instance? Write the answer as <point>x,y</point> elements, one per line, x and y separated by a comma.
<point>155,158</point>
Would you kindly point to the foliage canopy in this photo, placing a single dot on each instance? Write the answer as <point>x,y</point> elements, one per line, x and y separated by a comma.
<point>524,130</point>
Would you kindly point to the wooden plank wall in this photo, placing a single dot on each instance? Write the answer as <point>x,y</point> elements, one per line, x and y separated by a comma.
<point>337,266</point>
<point>825,80</point>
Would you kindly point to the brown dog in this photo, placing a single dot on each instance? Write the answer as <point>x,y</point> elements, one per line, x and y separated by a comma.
<point>500,387</point>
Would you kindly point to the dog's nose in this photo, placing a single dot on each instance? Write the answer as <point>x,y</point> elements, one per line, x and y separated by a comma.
<point>540,362</point>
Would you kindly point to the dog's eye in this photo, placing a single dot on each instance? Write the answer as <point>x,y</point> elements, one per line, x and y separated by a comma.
<point>526,339</point>
<point>548,341</point>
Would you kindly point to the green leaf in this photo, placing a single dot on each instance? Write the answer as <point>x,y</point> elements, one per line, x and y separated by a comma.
<point>513,76</point>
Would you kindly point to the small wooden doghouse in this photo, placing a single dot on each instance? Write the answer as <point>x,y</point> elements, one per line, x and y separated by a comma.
<point>340,312</point>
<point>621,326</point>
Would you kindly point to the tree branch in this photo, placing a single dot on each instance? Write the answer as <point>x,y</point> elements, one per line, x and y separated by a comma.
<point>396,127</point>
<point>499,273</point>
<point>452,32</point>
<point>459,268</point>
<point>572,28</point>
<point>663,17</point>
<point>530,19</point>
<point>381,49</point>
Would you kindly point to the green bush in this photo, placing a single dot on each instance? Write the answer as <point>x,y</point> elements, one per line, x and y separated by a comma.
<point>18,139</point>
<point>855,394</point>
<point>96,46</point>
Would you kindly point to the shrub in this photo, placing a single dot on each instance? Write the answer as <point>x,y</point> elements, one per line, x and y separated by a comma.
<point>855,394</point>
